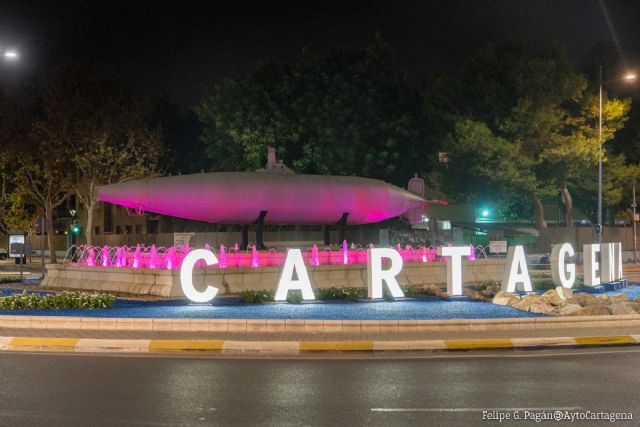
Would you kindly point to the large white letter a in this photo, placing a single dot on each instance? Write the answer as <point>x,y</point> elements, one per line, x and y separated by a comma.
<point>294,262</point>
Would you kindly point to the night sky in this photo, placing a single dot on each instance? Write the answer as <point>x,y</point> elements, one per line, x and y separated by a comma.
<point>179,47</point>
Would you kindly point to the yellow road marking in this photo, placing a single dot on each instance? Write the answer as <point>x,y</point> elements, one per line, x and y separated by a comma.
<point>336,345</point>
<point>478,343</point>
<point>613,339</point>
<point>185,345</point>
<point>31,342</point>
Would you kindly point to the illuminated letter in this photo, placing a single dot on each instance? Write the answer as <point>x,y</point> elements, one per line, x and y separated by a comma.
<point>608,263</point>
<point>454,267</point>
<point>618,256</point>
<point>375,273</point>
<point>590,264</point>
<point>294,262</point>
<point>562,275</point>
<point>516,271</point>
<point>186,276</point>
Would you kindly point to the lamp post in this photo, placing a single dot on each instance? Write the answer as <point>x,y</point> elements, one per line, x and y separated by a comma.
<point>634,205</point>
<point>628,77</point>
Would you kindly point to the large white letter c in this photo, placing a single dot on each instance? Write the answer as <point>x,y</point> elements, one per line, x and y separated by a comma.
<point>186,276</point>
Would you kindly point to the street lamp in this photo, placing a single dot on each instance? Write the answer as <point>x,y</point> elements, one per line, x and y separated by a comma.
<point>628,77</point>
<point>9,55</point>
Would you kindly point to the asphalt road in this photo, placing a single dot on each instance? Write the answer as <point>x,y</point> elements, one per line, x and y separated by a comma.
<point>88,390</point>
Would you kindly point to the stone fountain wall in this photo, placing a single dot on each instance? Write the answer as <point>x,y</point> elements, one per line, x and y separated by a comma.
<point>166,283</point>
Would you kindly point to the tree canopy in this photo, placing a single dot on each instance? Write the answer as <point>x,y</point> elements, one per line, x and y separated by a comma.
<point>346,113</point>
<point>523,125</point>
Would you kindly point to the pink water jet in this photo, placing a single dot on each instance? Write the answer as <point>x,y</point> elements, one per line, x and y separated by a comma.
<point>121,260</point>
<point>136,257</point>
<point>255,259</point>
<point>169,256</point>
<point>345,252</point>
<point>153,257</point>
<point>91,258</point>
<point>472,254</point>
<point>222,261</point>
<point>105,256</point>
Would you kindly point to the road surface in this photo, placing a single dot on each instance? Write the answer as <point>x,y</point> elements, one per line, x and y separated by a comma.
<point>447,390</point>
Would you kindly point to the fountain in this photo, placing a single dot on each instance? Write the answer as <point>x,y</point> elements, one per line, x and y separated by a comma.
<point>255,259</point>
<point>314,255</point>
<point>222,259</point>
<point>105,256</point>
<point>136,257</point>
<point>90,258</point>
<point>153,257</point>
<point>472,253</point>
<point>345,252</point>
<point>155,270</point>
<point>170,258</point>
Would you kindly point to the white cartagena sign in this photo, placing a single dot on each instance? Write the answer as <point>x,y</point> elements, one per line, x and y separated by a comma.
<point>563,271</point>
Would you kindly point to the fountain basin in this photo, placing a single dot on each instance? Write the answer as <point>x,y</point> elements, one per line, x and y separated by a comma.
<point>166,283</point>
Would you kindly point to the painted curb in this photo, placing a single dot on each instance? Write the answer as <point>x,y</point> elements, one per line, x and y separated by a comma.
<point>91,345</point>
<point>316,326</point>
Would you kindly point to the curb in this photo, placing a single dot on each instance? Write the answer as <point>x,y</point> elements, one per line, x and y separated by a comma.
<point>91,345</point>
<point>316,326</point>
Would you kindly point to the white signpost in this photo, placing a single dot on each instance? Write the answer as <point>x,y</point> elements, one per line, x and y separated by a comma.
<point>182,239</point>
<point>16,245</point>
<point>498,246</point>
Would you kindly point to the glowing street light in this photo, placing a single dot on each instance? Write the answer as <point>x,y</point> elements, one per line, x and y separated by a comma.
<point>10,55</point>
<point>630,77</point>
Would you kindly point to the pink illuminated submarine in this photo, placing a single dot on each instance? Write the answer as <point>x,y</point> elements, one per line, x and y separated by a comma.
<point>274,195</point>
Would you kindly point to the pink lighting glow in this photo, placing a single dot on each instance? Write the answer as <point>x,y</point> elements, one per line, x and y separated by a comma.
<point>255,259</point>
<point>136,257</point>
<point>170,258</point>
<point>345,252</point>
<point>472,254</point>
<point>239,197</point>
<point>222,259</point>
<point>153,257</point>
<point>91,259</point>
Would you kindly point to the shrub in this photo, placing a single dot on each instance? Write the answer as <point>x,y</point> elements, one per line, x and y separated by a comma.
<point>250,296</point>
<point>294,297</point>
<point>409,291</point>
<point>9,279</point>
<point>334,293</point>
<point>63,300</point>
<point>490,285</point>
<point>542,283</point>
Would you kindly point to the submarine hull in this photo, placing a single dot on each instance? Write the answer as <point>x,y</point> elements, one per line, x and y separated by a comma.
<point>239,197</point>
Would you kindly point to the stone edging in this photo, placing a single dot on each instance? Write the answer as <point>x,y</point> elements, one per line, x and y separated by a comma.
<point>316,326</point>
<point>90,345</point>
